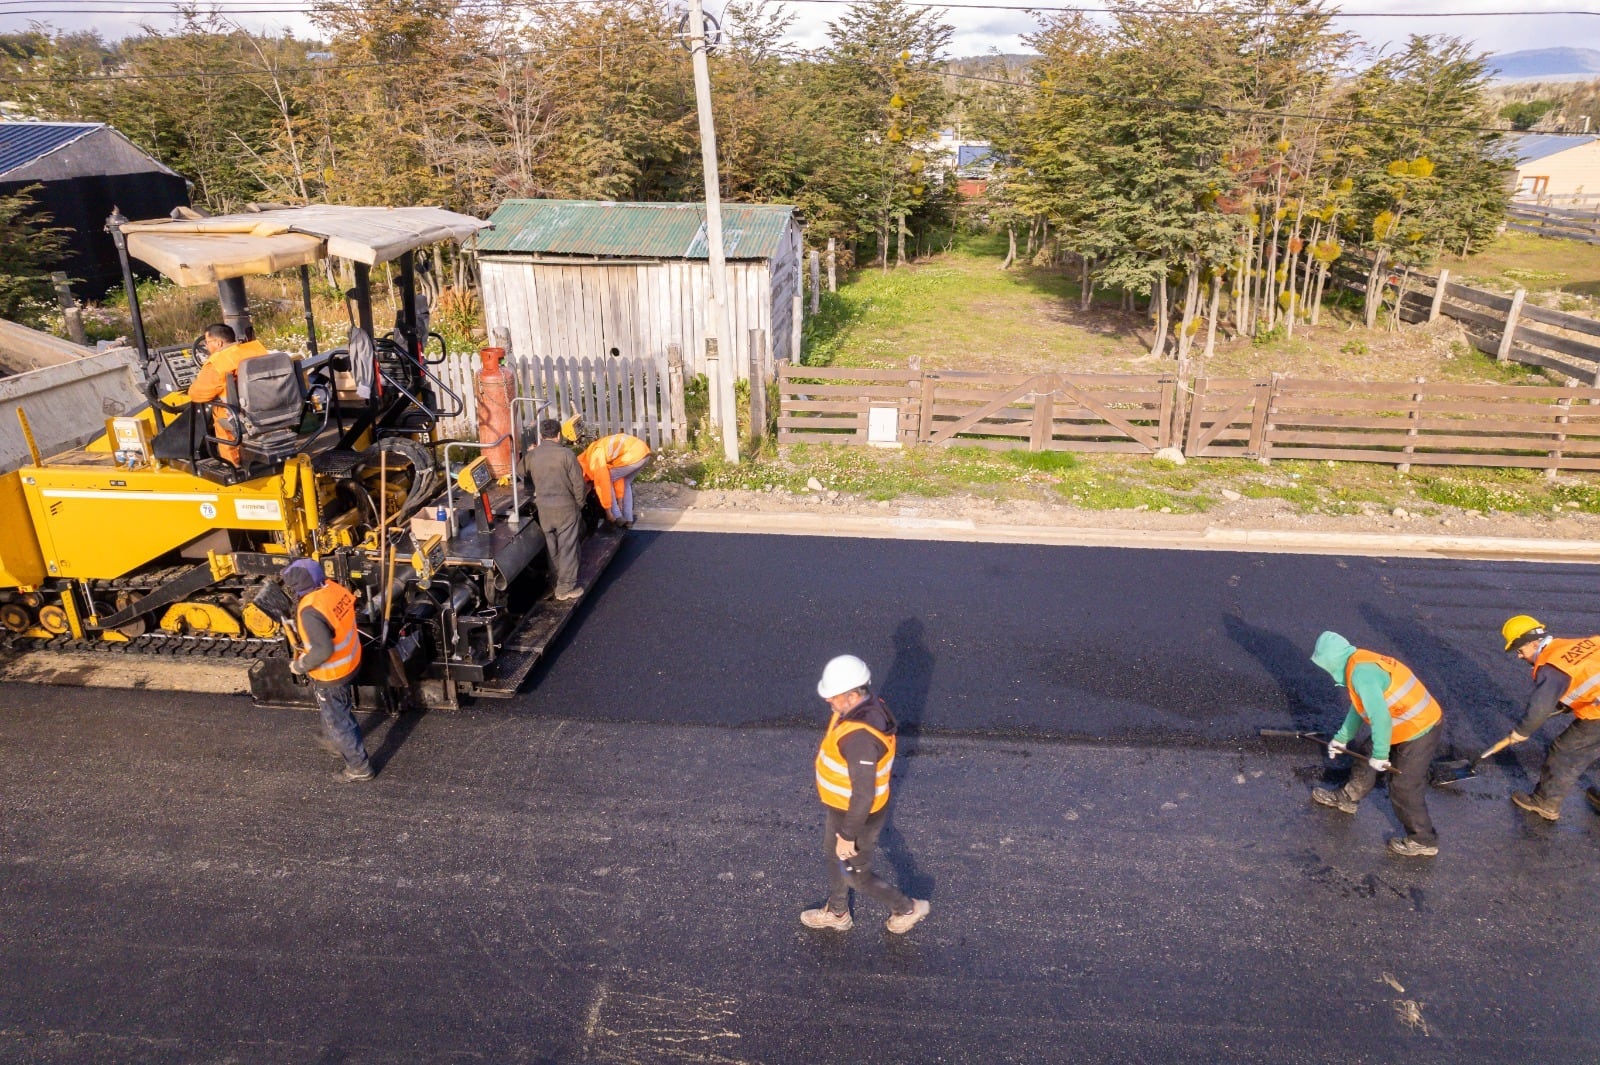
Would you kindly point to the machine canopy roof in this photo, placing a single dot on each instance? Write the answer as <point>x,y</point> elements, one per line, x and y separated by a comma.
<point>203,250</point>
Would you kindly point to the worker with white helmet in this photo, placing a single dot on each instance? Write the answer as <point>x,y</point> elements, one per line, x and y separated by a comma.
<point>1566,676</point>
<point>853,767</point>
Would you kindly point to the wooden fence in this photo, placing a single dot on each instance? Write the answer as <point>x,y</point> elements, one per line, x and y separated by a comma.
<point>1496,325</point>
<point>1546,427</point>
<point>1566,223</point>
<point>613,395</point>
<point>1406,423</point>
<point>1508,327</point>
<point>1126,413</point>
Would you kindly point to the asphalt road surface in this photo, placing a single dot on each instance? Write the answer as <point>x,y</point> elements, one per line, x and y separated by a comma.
<point>609,868</point>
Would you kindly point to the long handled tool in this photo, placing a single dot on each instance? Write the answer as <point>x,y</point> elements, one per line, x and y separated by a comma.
<point>1291,734</point>
<point>1315,737</point>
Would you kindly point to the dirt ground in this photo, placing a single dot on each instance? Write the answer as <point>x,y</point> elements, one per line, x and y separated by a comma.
<point>1243,513</point>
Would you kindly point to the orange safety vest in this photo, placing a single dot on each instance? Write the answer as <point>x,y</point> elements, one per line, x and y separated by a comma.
<point>1412,710</point>
<point>334,602</point>
<point>1580,661</point>
<point>212,383</point>
<point>833,776</point>
<point>606,454</point>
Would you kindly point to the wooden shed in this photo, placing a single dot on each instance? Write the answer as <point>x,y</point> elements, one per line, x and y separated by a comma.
<point>588,279</point>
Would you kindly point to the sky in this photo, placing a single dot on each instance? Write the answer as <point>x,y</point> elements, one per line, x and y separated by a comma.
<point>1496,26</point>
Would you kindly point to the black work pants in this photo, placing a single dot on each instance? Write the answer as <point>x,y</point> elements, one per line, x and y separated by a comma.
<point>857,872</point>
<point>1572,752</point>
<point>562,529</point>
<point>1408,781</point>
<point>335,702</point>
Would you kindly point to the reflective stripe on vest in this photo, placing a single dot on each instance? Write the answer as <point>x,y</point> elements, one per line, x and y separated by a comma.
<point>833,775</point>
<point>1580,661</point>
<point>1412,711</point>
<point>338,606</point>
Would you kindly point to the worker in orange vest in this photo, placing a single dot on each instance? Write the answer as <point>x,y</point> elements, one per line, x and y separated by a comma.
<point>612,462</point>
<point>330,654</point>
<point>211,383</point>
<point>853,767</point>
<point>1566,676</point>
<point>1405,724</point>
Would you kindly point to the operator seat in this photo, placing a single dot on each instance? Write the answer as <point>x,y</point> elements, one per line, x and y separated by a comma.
<point>270,398</point>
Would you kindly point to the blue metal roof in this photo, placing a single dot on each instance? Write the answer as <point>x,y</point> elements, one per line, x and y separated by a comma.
<point>967,154</point>
<point>632,230</point>
<point>1532,146</point>
<point>23,142</point>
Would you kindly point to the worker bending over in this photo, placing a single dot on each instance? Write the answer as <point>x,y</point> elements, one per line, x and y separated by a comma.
<point>559,490</point>
<point>1404,721</point>
<point>226,352</point>
<point>330,654</point>
<point>612,462</point>
<point>853,768</point>
<point>1566,676</point>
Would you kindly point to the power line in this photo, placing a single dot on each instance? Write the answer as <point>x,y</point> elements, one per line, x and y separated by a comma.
<point>300,7</point>
<point>1178,105</point>
<point>792,53</point>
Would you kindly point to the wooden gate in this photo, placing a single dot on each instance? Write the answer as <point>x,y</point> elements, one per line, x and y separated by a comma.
<point>1128,413</point>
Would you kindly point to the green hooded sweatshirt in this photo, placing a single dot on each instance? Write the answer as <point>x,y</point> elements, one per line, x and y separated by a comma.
<point>1369,680</point>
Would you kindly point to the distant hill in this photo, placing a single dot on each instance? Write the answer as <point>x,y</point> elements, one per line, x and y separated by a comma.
<point>1546,63</point>
<point>1006,67</point>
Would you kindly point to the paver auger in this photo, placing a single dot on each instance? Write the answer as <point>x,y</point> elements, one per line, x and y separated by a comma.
<point>148,542</point>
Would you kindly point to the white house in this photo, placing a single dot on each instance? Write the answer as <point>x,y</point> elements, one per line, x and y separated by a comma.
<point>1554,166</point>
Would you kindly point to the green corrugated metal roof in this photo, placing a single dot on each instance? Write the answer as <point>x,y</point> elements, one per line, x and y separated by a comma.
<point>631,230</point>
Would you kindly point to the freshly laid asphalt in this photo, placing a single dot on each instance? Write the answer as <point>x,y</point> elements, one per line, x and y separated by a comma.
<point>609,868</point>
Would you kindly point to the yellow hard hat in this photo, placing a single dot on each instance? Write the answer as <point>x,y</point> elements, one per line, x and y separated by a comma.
<point>1519,630</point>
<point>569,428</point>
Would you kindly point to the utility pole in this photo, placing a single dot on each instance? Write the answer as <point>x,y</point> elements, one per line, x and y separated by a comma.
<point>722,373</point>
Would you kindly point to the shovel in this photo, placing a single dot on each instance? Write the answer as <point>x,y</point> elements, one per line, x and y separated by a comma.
<point>1443,774</point>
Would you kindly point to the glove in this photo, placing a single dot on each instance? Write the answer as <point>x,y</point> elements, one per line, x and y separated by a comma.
<point>1381,765</point>
<point>296,668</point>
<point>1335,749</point>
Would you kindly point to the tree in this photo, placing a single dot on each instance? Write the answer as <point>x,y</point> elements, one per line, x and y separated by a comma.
<point>1425,174</point>
<point>29,248</point>
<point>883,95</point>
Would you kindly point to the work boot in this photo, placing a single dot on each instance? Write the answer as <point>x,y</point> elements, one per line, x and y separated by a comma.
<point>901,923</point>
<point>1411,848</point>
<point>1335,798</point>
<point>822,917</point>
<point>1531,803</point>
<point>567,597</point>
<point>357,774</point>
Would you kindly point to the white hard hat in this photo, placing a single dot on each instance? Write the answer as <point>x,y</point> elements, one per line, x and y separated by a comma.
<point>843,674</point>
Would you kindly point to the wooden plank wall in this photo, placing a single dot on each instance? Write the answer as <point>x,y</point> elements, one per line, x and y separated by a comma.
<point>1127,413</point>
<point>617,395</point>
<point>585,309</point>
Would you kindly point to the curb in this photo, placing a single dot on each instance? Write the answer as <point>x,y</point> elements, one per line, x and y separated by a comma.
<point>1278,541</point>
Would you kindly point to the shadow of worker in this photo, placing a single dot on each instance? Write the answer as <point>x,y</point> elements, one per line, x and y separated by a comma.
<point>905,688</point>
<point>1304,686</point>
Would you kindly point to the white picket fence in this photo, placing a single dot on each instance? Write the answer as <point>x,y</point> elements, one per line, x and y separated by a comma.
<point>614,395</point>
